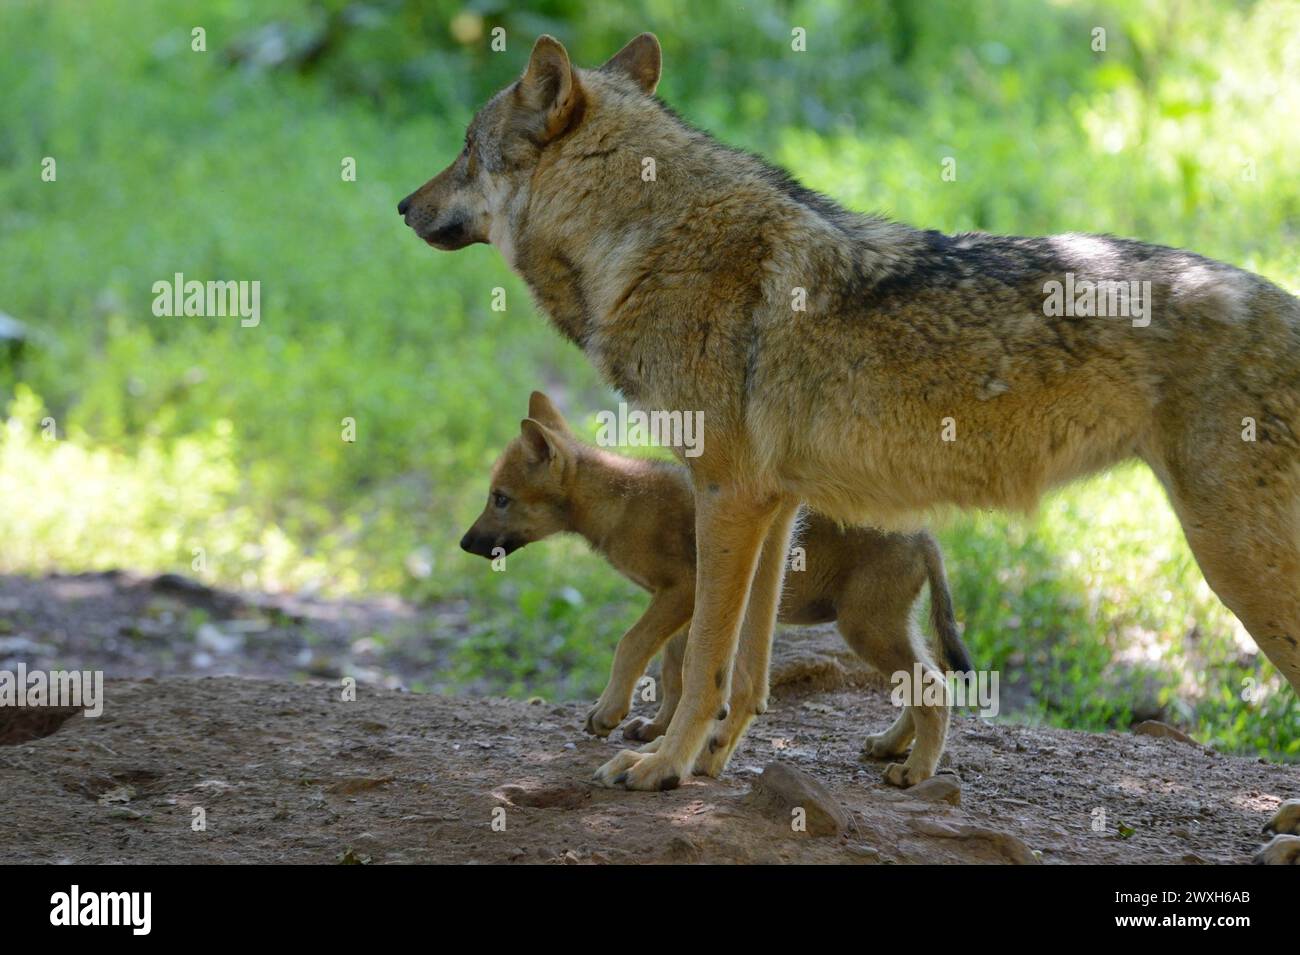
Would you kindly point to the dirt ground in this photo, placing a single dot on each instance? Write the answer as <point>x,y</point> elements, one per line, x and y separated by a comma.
<point>285,770</point>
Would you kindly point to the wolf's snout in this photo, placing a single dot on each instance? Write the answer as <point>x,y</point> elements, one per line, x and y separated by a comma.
<point>405,204</point>
<point>480,545</point>
<point>485,545</point>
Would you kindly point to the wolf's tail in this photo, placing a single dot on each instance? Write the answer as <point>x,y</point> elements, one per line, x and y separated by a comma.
<point>955,654</point>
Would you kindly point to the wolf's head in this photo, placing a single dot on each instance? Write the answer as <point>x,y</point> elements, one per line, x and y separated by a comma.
<point>480,196</point>
<point>531,485</point>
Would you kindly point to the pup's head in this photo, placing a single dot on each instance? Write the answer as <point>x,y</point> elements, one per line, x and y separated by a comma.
<point>531,482</point>
<point>478,196</point>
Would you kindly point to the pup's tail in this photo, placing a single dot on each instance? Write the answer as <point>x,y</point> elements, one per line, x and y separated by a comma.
<point>955,654</point>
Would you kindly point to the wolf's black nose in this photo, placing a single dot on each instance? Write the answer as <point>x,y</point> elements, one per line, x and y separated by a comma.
<point>404,205</point>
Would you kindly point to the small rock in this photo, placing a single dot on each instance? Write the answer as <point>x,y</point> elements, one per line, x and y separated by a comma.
<point>118,794</point>
<point>1156,728</point>
<point>865,852</point>
<point>1009,847</point>
<point>943,788</point>
<point>351,785</point>
<point>781,789</point>
<point>1286,819</point>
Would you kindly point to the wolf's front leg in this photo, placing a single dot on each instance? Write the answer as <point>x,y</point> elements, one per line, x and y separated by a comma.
<point>668,612</point>
<point>729,533</point>
<point>749,686</point>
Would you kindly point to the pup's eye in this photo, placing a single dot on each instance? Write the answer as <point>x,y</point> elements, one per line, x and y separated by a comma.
<point>499,499</point>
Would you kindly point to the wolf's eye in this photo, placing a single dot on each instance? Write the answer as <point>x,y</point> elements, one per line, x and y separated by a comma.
<point>499,499</point>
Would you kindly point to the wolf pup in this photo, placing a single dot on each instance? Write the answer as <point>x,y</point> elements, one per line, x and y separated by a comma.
<point>640,516</point>
<point>867,368</point>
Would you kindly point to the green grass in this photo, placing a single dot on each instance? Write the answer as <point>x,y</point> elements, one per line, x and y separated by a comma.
<point>180,433</point>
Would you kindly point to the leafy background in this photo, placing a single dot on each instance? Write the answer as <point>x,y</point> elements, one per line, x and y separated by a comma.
<point>176,433</point>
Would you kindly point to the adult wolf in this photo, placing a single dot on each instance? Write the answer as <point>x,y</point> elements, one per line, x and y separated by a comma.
<point>868,368</point>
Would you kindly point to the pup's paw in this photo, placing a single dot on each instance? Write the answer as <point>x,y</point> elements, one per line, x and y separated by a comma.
<point>603,719</point>
<point>903,775</point>
<point>1286,821</point>
<point>641,730</point>
<point>1280,850</point>
<point>646,772</point>
<point>881,746</point>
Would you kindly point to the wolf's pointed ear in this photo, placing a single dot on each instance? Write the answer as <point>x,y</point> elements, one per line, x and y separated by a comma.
<point>549,85</point>
<point>541,409</point>
<point>641,59</point>
<point>540,443</point>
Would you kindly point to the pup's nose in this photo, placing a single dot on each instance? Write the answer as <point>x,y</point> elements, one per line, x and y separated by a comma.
<point>404,205</point>
<point>467,542</point>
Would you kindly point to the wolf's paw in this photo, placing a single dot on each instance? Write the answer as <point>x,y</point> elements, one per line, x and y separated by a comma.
<point>1280,850</point>
<point>903,775</point>
<point>881,746</point>
<point>1286,821</point>
<point>641,730</point>
<point>646,772</point>
<point>602,719</point>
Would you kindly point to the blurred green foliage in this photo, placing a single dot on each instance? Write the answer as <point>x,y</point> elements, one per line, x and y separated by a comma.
<point>174,434</point>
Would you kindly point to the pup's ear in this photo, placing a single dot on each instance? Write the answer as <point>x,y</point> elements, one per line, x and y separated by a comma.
<point>541,409</point>
<point>549,85</point>
<point>540,443</point>
<point>641,59</point>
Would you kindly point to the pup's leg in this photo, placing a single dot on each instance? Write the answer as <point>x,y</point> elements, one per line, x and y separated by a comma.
<point>876,618</point>
<point>875,614</point>
<point>894,651</point>
<point>670,683</point>
<point>668,611</point>
<point>730,528</point>
<point>894,741</point>
<point>749,683</point>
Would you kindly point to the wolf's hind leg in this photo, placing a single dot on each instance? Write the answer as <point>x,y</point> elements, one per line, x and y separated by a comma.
<point>1237,502</point>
